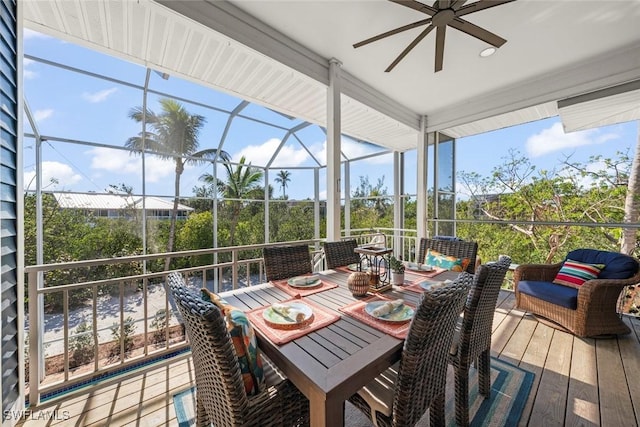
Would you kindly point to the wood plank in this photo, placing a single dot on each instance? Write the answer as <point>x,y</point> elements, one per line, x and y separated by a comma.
<point>615,402</point>
<point>515,348</point>
<point>550,404</point>
<point>504,331</point>
<point>630,354</point>
<point>582,399</point>
<point>533,361</point>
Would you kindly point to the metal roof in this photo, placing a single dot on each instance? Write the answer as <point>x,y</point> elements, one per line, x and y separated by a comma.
<point>113,202</point>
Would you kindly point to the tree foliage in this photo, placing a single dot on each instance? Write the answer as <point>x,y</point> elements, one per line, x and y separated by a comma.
<point>527,203</point>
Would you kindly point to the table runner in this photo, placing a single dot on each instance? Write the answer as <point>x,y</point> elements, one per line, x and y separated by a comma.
<point>301,292</point>
<point>356,309</point>
<point>321,318</point>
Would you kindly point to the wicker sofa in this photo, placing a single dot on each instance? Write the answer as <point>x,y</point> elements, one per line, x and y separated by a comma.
<point>588,310</point>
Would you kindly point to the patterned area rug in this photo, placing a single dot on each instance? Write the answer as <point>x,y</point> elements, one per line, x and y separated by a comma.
<point>510,387</point>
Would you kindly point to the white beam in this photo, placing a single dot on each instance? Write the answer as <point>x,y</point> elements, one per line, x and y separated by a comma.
<point>421,186</point>
<point>333,151</point>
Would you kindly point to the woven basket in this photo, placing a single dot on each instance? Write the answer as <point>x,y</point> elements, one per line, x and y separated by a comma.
<point>358,283</point>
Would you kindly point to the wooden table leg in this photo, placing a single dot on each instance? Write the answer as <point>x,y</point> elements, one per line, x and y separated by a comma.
<point>326,412</point>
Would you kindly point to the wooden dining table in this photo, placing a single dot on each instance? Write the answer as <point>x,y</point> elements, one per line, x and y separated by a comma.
<point>332,363</point>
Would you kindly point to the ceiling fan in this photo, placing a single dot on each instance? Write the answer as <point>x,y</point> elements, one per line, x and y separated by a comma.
<point>441,14</point>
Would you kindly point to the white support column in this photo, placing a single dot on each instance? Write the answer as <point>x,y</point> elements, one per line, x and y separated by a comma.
<point>398,207</point>
<point>316,203</point>
<point>333,151</point>
<point>347,197</point>
<point>421,187</point>
<point>266,206</point>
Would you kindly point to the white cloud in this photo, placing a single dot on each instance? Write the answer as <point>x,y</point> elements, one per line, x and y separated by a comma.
<point>42,114</point>
<point>28,74</point>
<point>62,175</point>
<point>120,162</point>
<point>554,139</point>
<point>353,150</point>
<point>30,34</point>
<point>260,155</point>
<point>99,96</point>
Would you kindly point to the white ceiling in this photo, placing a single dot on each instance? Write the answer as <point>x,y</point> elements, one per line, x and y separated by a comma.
<point>276,53</point>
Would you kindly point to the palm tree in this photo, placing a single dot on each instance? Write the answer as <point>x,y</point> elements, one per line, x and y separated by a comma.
<point>173,135</point>
<point>283,179</point>
<point>242,182</point>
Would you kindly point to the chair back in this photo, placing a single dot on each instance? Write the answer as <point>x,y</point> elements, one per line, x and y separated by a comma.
<point>338,254</point>
<point>456,248</point>
<point>477,323</point>
<point>283,262</point>
<point>423,367</point>
<point>219,383</point>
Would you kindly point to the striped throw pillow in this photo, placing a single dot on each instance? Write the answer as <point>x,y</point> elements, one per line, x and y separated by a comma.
<point>575,273</point>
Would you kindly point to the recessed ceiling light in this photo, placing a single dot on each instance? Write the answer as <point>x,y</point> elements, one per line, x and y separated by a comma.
<point>488,52</point>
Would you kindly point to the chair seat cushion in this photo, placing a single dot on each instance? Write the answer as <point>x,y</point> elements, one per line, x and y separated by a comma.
<point>379,393</point>
<point>575,273</point>
<point>244,341</point>
<point>616,265</point>
<point>563,296</point>
<point>436,259</point>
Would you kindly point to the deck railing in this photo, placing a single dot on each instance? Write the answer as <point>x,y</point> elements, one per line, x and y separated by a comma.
<point>120,323</point>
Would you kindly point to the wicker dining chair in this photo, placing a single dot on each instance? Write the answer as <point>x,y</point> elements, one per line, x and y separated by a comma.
<point>221,398</point>
<point>283,262</point>
<point>340,253</point>
<point>472,340</point>
<point>401,395</point>
<point>456,248</point>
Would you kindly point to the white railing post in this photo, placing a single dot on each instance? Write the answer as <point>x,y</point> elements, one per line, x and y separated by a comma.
<point>35,339</point>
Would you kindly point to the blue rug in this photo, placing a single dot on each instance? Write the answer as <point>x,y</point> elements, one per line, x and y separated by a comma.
<point>510,387</point>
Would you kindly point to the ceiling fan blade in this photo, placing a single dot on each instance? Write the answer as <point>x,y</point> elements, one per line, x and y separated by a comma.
<point>477,32</point>
<point>455,4</point>
<point>416,5</point>
<point>392,32</point>
<point>413,44</point>
<point>440,47</point>
<point>480,5</point>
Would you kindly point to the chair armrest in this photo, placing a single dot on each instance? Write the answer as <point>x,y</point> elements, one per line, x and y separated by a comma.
<point>591,285</point>
<point>538,272</point>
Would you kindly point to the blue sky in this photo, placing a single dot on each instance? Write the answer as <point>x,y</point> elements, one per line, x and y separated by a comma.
<point>77,107</point>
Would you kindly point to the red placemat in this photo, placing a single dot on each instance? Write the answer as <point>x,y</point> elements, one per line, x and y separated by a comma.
<point>294,292</point>
<point>356,309</point>
<point>321,318</point>
<point>432,273</point>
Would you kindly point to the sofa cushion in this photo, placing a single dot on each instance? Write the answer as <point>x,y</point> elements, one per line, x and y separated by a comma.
<point>244,342</point>
<point>563,296</point>
<point>616,265</point>
<point>574,273</point>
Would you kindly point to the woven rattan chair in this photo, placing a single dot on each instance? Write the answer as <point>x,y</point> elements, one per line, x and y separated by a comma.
<point>284,262</point>
<point>402,394</point>
<point>592,312</point>
<point>220,393</point>
<point>472,340</point>
<point>456,248</point>
<point>338,254</point>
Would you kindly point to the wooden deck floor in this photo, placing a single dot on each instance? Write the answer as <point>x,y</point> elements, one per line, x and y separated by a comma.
<point>577,381</point>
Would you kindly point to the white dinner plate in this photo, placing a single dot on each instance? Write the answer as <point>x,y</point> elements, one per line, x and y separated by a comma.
<point>401,314</point>
<point>310,283</point>
<point>273,316</point>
